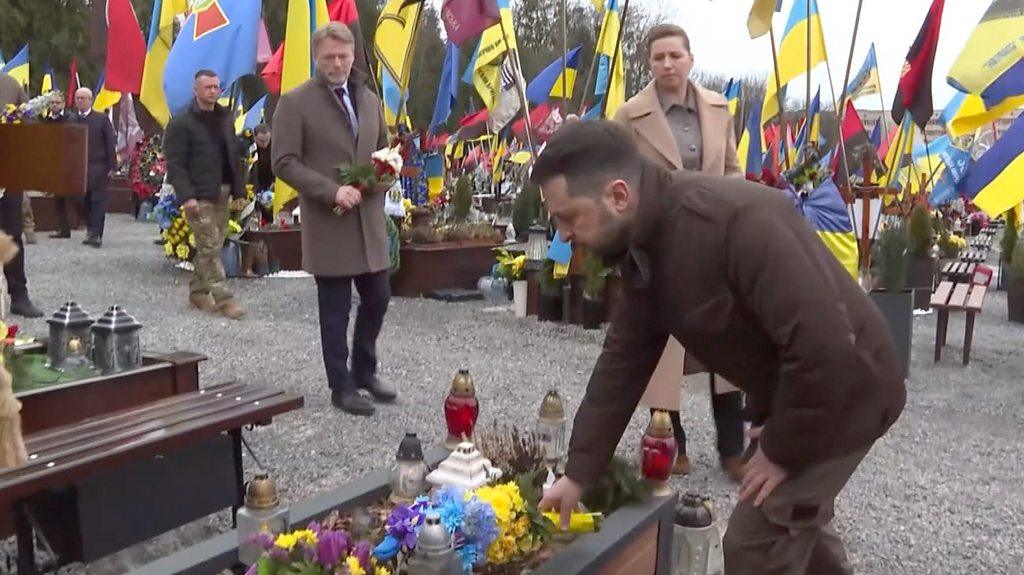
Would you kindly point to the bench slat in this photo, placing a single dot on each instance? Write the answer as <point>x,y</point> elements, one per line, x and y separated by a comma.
<point>941,295</point>
<point>959,297</point>
<point>977,298</point>
<point>948,268</point>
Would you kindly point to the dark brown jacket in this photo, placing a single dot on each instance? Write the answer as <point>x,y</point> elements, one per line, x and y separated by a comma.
<point>738,276</point>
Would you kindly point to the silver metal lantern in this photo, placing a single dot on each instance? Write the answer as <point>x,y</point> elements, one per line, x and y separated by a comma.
<point>409,474</point>
<point>434,554</point>
<point>551,427</point>
<point>115,342</point>
<point>69,336</point>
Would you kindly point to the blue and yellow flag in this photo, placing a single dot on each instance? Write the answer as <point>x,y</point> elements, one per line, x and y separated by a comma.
<point>433,165</point>
<point>750,150</point>
<point>732,95</point>
<point>611,83</point>
<point>991,64</point>
<point>965,113</point>
<point>392,44</point>
<point>161,36</point>
<point>866,81</point>
<point>105,98</point>
<point>47,85</point>
<point>18,67</point>
<point>548,83</point>
<point>793,51</point>
<point>825,209</point>
<point>811,130</point>
<point>490,54</point>
<point>252,118</point>
<point>993,183</point>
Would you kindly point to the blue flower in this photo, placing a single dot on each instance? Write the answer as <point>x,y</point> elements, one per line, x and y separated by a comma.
<point>469,553</point>
<point>387,549</point>
<point>448,503</point>
<point>479,523</point>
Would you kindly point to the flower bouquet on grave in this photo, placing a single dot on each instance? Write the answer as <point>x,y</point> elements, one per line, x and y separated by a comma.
<point>315,550</point>
<point>382,171</point>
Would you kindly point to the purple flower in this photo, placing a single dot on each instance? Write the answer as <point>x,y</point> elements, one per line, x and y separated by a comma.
<point>264,539</point>
<point>362,554</point>
<point>331,547</point>
<point>403,524</point>
<point>479,523</point>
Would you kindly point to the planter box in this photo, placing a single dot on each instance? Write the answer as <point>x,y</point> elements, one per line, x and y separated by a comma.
<point>429,267</point>
<point>44,208</point>
<point>633,540</point>
<point>921,279</point>
<point>898,309</point>
<point>1015,301</point>
<point>284,247</point>
<point>120,197</point>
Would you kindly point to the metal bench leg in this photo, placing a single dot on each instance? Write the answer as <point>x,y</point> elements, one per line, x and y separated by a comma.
<point>26,540</point>
<point>236,448</point>
<point>968,337</point>
<point>942,320</point>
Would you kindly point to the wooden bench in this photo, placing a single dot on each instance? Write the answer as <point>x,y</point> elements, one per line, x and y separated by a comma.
<point>983,242</point>
<point>973,256</point>
<point>958,271</point>
<point>101,485</point>
<point>956,297</point>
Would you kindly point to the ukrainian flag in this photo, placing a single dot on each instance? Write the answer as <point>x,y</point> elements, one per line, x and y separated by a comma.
<point>18,67</point>
<point>793,51</point>
<point>825,209</point>
<point>392,44</point>
<point>866,81</point>
<point>47,86</point>
<point>811,130</point>
<point>548,83</point>
<point>105,99</point>
<point>161,36</point>
<point>489,55</point>
<point>965,113</point>
<point>251,118</point>
<point>993,183</point>
<point>611,84</point>
<point>433,165</point>
<point>991,64</point>
<point>732,96</point>
<point>751,146</point>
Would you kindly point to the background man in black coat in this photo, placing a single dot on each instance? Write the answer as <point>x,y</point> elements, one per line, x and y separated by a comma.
<point>102,162</point>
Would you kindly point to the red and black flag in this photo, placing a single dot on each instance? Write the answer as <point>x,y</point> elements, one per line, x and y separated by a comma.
<point>915,88</point>
<point>854,142</point>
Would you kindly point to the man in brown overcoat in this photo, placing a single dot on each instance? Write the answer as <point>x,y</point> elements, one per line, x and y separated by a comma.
<point>737,275</point>
<point>331,120</point>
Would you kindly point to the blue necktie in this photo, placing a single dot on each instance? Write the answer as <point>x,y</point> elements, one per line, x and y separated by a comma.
<point>346,102</point>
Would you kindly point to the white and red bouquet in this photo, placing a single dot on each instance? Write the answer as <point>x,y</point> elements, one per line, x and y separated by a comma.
<point>382,171</point>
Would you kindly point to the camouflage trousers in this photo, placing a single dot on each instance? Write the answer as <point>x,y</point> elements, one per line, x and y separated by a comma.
<point>209,226</point>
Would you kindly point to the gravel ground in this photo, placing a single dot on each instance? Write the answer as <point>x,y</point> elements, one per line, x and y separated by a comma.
<point>934,496</point>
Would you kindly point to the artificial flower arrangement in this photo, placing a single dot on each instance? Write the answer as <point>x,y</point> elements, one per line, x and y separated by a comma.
<point>179,240</point>
<point>509,267</point>
<point>315,550</point>
<point>27,112</point>
<point>147,167</point>
<point>383,169</point>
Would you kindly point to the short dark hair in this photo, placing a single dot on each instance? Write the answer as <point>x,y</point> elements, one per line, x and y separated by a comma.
<point>660,31</point>
<point>261,129</point>
<point>588,154</point>
<point>204,73</point>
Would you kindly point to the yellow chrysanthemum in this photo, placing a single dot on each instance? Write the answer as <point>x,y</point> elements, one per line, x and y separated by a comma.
<point>286,541</point>
<point>382,570</point>
<point>192,240</point>
<point>168,248</point>
<point>233,227</point>
<point>181,252</point>
<point>306,537</point>
<point>354,568</point>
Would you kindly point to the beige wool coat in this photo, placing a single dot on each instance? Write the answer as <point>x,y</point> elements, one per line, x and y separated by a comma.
<point>645,119</point>
<point>312,137</point>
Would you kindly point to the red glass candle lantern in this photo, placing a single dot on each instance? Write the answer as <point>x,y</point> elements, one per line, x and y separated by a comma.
<point>658,453</point>
<point>460,410</point>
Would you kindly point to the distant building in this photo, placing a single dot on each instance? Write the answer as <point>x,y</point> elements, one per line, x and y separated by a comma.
<point>934,129</point>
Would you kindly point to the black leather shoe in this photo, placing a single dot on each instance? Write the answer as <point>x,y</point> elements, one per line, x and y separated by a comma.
<point>25,308</point>
<point>60,235</point>
<point>381,391</point>
<point>351,402</point>
<point>90,240</point>
<point>97,243</point>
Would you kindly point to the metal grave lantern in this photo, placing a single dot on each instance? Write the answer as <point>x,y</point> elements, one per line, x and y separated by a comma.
<point>536,247</point>
<point>461,409</point>
<point>551,427</point>
<point>115,341</point>
<point>434,554</point>
<point>409,474</point>
<point>69,336</point>
<point>261,513</point>
<point>658,453</point>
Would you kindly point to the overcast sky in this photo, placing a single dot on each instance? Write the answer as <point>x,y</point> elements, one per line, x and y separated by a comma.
<point>720,42</point>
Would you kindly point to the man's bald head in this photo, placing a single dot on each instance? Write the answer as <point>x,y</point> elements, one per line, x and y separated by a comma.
<point>83,100</point>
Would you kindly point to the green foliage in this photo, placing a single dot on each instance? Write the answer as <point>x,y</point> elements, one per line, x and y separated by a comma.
<point>549,284</point>
<point>620,485</point>
<point>890,257</point>
<point>920,231</point>
<point>595,276</point>
<point>525,207</point>
<point>1017,264</point>
<point>462,200</point>
<point>1010,235</point>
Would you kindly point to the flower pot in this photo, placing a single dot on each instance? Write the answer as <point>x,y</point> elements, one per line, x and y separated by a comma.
<point>593,313</point>
<point>898,310</point>
<point>231,259</point>
<point>921,279</point>
<point>519,297</point>
<point>550,307</point>
<point>1015,301</point>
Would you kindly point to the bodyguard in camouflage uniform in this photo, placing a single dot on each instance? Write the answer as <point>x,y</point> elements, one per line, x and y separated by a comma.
<point>204,166</point>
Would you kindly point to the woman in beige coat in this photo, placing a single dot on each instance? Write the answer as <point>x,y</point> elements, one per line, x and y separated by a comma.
<point>682,126</point>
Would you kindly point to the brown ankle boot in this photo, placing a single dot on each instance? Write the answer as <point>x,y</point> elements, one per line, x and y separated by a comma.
<point>229,309</point>
<point>682,466</point>
<point>734,468</point>
<point>202,302</point>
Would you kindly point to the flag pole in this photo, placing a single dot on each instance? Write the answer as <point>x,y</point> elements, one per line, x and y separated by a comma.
<point>403,110</point>
<point>590,74</point>
<point>807,106</point>
<point>778,95</point>
<point>890,173</point>
<point>565,59</point>
<point>849,60</point>
<point>520,90</point>
<point>615,58</point>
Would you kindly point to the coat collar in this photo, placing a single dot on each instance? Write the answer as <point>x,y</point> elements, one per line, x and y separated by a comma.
<point>648,118</point>
<point>194,108</point>
<point>653,178</point>
<point>366,109</point>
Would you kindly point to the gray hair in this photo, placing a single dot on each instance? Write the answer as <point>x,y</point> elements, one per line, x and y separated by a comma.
<point>335,31</point>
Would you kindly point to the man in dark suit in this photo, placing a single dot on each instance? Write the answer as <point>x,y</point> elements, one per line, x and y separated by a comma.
<point>102,162</point>
<point>739,277</point>
<point>58,114</point>
<point>11,92</point>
